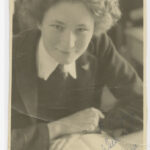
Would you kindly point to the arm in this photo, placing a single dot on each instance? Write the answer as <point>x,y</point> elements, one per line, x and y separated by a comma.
<point>27,133</point>
<point>124,83</point>
<point>30,133</point>
<point>29,138</point>
<point>86,120</point>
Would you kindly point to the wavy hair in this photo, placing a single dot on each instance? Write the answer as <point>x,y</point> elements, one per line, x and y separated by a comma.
<point>106,12</point>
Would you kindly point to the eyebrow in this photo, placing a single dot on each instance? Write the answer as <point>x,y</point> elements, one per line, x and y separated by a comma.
<point>82,25</point>
<point>62,23</point>
<point>59,22</point>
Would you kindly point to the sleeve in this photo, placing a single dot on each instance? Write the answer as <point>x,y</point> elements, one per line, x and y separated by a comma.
<point>28,136</point>
<point>123,81</point>
<point>26,133</point>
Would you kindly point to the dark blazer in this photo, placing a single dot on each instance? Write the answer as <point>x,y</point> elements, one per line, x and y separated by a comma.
<point>101,65</point>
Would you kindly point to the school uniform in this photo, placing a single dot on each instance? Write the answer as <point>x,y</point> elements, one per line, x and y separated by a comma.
<point>39,98</point>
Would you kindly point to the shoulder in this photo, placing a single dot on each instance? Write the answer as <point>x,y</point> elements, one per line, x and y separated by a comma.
<point>19,38</point>
<point>24,41</point>
<point>100,44</point>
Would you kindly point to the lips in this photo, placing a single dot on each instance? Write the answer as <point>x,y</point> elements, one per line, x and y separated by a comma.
<point>65,52</point>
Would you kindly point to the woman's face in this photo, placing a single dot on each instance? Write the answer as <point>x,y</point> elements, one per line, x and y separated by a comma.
<point>67,29</point>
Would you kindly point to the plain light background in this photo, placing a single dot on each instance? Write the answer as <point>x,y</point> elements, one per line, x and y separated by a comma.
<point>4,71</point>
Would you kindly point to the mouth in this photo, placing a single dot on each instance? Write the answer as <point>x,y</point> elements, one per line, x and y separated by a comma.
<point>64,52</point>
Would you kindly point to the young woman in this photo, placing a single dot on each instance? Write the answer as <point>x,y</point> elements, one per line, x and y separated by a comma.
<point>60,69</point>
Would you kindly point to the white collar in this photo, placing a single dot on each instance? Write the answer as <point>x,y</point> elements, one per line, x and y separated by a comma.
<point>47,64</point>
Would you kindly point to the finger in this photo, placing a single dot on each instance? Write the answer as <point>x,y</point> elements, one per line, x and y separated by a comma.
<point>100,114</point>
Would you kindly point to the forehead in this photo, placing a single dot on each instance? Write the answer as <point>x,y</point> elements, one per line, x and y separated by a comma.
<point>73,12</point>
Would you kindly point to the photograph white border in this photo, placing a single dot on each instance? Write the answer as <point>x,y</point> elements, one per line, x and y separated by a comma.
<point>4,72</point>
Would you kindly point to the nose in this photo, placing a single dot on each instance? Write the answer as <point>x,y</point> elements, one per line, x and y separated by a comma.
<point>68,40</point>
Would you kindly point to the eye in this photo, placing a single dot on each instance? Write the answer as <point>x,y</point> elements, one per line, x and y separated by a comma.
<point>57,27</point>
<point>82,29</point>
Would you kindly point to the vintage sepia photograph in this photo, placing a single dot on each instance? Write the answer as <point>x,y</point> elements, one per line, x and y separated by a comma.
<point>77,74</point>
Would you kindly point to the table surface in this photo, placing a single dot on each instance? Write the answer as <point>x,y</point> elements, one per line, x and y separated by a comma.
<point>134,139</point>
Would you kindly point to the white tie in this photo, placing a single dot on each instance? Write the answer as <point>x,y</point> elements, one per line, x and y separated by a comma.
<point>63,71</point>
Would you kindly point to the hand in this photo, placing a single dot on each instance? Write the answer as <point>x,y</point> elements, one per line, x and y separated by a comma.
<point>85,120</point>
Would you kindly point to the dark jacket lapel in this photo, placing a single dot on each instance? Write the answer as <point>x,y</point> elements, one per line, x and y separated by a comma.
<point>86,65</point>
<point>26,75</point>
<point>25,69</point>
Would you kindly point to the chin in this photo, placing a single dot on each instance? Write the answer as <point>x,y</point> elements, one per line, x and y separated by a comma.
<point>66,62</point>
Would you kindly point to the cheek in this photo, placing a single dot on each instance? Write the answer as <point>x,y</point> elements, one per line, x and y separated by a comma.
<point>83,43</point>
<point>50,39</point>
